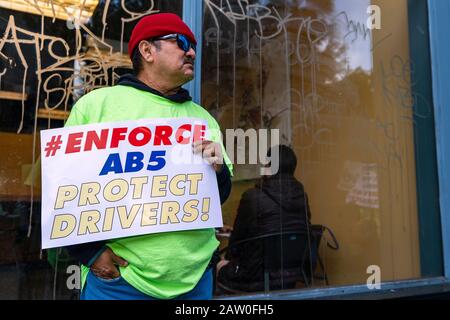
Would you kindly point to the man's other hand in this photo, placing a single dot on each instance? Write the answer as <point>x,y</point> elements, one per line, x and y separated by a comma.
<point>211,152</point>
<point>105,265</point>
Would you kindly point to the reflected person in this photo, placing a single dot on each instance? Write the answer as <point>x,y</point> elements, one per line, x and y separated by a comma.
<point>276,203</point>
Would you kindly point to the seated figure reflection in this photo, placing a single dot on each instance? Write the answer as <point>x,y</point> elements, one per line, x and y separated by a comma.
<point>277,204</point>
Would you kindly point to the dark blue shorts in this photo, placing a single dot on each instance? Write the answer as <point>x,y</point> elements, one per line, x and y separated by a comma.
<point>96,288</point>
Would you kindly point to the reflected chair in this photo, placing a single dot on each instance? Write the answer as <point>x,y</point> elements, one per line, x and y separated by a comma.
<point>317,232</point>
<point>285,259</point>
<point>288,258</point>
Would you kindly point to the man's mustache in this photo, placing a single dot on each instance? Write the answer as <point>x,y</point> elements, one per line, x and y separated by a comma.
<point>191,61</point>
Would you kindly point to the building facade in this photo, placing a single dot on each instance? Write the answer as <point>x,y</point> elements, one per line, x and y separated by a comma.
<point>357,88</point>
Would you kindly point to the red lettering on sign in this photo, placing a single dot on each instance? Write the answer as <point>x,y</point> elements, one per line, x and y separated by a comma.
<point>162,135</point>
<point>74,142</point>
<point>92,138</point>
<point>118,135</point>
<point>179,134</point>
<point>199,133</point>
<point>146,136</point>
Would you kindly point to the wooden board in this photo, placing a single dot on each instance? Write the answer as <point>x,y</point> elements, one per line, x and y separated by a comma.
<point>10,95</point>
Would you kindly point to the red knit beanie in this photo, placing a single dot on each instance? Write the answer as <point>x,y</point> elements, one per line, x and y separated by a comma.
<point>156,25</point>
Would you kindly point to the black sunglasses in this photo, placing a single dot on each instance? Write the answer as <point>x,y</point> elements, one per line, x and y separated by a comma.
<point>183,42</point>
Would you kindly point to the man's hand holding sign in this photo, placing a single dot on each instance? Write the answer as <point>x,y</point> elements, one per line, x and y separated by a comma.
<point>211,152</point>
<point>142,178</point>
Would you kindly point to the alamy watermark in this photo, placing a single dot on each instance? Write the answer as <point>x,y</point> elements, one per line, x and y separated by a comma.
<point>374,19</point>
<point>74,279</point>
<point>374,280</point>
<point>248,147</point>
<point>257,147</point>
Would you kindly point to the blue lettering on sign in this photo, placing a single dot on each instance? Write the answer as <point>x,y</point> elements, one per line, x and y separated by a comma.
<point>134,163</point>
<point>112,164</point>
<point>157,161</point>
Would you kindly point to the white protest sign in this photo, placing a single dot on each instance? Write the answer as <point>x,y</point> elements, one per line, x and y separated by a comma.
<point>115,180</point>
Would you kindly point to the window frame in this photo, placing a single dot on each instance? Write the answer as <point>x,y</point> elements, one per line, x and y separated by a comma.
<point>193,16</point>
<point>430,237</point>
<point>438,12</point>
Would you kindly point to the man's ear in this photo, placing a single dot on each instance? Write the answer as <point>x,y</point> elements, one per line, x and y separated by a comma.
<point>147,51</point>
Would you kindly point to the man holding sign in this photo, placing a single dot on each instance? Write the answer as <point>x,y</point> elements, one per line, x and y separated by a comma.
<point>137,164</point>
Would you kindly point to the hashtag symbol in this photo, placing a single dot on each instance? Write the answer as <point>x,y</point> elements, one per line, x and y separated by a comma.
<point>53,146</point>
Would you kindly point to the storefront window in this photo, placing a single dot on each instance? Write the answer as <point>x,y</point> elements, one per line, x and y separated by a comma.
<point>335,77</point>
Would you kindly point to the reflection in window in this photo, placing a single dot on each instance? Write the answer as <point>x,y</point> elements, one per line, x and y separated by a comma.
<point>341,96</point>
